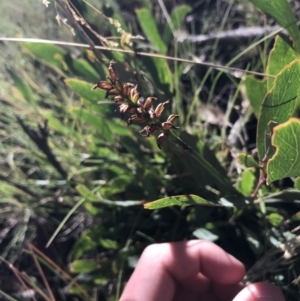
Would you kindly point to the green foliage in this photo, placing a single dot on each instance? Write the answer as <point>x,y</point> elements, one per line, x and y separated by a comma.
<point>286,160</point>
<point>194,186</point>
<point>281,11</point>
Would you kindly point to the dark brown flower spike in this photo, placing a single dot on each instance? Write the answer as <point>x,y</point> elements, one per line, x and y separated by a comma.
<point>142,109</point>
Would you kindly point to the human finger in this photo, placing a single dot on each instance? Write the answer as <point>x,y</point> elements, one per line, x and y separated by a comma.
<point>161,266</point>
<point>261,291</point>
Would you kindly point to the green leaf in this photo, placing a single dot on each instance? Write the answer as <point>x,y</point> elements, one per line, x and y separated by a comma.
<point>279,104</point>
<point>281,55</point>
<point>89,196</point>
<point>80,67</point>
<point>275,219</point>
<point>108,244</point>
<point>82,245</point>
<point>246,183</point>
<point>281,11</point>
<point>116,185</point>
<point>177,17</point>
<point>247,160</point>
<point>286,160</point>
<point>256,91</point>
<point>51,55</point>
<point>98,122</point>
<point>84,90</point>
<point>178,200</point>
<point>149,27</point>
<point>297,183</point>
<point>84,266</point>
<point>22,86</point>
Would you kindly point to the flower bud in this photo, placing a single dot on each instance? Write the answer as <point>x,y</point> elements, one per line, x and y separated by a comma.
<point>136,119</point>
<point>160,108</point>
<point>118,98</point>
<point>148,103</point>
<point>113,76</point>
<point>149,129</point>
<point>104,85</point>
<point>172,117</point>
<point>168,125</point>
<point>113,92</point>
<point>127,88</point>
<point>160,139</point>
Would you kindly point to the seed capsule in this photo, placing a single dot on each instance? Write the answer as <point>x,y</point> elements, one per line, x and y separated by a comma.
<point>127,88</point>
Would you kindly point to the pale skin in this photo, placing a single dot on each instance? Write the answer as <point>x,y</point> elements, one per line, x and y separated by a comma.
<point>194,270</point>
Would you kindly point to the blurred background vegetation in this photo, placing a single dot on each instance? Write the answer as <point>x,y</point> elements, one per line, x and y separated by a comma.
<point>70,167</point>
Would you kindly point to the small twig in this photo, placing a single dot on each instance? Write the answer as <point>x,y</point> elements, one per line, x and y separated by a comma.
<point>41,273</point>
<point>40,138</point>
<point>70,16</point>
<point>154,55</point>
<point>234,34</point>
<point>59,270</point>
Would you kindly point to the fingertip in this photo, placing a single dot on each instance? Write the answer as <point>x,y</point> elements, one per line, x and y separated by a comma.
<point>220,266</point>
<point>261,291</point>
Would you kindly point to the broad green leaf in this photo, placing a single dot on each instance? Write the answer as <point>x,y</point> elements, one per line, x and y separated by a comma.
<point>22,86</point>
<point>281,55</point>
<point>108,244</point>
<point>246,183</point>
<point>84,266</point>
<point>51,55</point>
<point>89,196</point>
<point>279,104</point>
<point>116,185</point>
<point>256,91</point>
<point>149,27</point>
<point>296,217</point>
<point>83,244</point>
<point>275,219</point>
<point>177,17</point>
<point>98,122</point>
<point>281,11</point>
<point>247,160</point>
<point>160,74</point>
<point>178,200</point>
<point>82,68</point>
<point>84,90</point>
<point>286,160</point>
<point>297,183</point>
